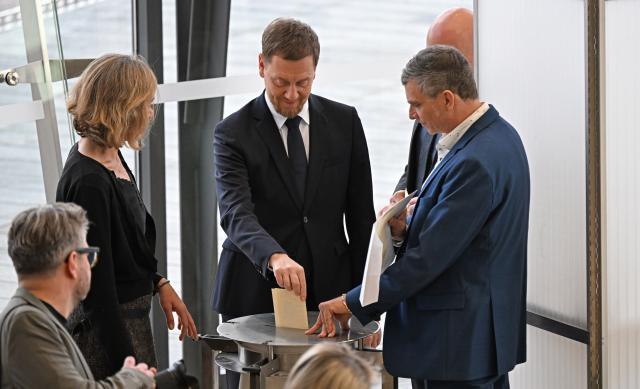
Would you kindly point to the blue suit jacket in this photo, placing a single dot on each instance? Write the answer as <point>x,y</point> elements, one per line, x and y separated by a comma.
<point>455,297</point>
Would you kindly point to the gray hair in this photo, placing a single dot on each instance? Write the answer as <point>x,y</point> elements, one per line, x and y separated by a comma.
<point>40,238</point>
<point>438,68</point>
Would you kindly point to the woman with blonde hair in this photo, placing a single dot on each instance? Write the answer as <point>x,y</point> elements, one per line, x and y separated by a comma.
<point>112,106</point>
<point>331,365</point>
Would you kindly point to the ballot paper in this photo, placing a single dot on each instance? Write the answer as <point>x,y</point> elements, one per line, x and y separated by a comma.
<point>289,311</point>
<point>381,253</point>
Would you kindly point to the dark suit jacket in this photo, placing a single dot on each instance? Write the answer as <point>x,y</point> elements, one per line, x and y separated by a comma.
<point>418,165</point>
<point>456,294</point>
<point>262,215</point>
<point>38,352</point>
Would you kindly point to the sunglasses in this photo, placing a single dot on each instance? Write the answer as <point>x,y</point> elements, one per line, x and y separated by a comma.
<point>92,254</point>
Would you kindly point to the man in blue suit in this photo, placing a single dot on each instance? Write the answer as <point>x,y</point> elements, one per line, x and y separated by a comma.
<point>455,296</point>
<point>453,27</point>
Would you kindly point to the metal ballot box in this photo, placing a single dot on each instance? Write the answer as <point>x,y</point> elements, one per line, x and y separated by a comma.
<point>264,354</point>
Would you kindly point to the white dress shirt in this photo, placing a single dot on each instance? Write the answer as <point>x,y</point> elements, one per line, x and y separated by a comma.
<point>445,144</point>
<point>448,140</point>
<point>304,124</point>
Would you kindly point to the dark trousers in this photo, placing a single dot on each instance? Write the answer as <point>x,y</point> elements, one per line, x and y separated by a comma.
<point>500,382</point>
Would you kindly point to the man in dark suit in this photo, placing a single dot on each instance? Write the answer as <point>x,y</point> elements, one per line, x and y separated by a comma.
<point>454,27</point>
<point>48,248</point>
<point>455,296</point>
<point>292,170</point>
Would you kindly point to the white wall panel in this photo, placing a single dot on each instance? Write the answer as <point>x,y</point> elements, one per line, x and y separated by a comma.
<point>622,137</point>
<point>553,362</point>
<point>531,67</point>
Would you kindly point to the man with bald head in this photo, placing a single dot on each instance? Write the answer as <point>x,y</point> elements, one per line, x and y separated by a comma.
<point>454,27</point>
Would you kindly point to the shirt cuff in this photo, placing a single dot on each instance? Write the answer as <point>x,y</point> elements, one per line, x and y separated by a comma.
<point>267,265</point>
<point>363,314</point>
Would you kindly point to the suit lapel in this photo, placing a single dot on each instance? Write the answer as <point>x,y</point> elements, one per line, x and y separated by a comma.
<point>318,144</point>
<point>35,302</point>
<point>484,121</point>
<point>415,149</point>
<point>271,136</point>
<point>424,187</point>
<point>430,161</point>
<point>437,169</point>
<point>420,161</point>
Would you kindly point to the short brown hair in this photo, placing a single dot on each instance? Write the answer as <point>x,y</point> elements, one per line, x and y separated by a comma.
<point>40,238</point>
<point>109,104</point>
<point>438,68</point>
<point>333,366</point>
<point>290,39</point>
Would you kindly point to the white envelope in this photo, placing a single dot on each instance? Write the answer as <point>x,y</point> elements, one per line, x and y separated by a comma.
<point>381,253</point>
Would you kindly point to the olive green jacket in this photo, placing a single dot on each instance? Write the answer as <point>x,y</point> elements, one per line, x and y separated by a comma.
<point>38,352</point>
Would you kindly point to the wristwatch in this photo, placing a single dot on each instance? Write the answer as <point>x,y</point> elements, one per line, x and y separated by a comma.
<point>343,298</point>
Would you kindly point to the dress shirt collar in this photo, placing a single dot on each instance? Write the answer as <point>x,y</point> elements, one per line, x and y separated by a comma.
<point>447,141</point>
<point>280,119</point>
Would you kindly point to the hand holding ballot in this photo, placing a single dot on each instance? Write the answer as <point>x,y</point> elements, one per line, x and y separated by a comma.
<point>289,274</point>
<point>397,223</point>
<point>381,253</point>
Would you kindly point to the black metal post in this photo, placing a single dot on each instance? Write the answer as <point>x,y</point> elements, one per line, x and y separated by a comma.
<point>202,35</point>
<point>147,40</point>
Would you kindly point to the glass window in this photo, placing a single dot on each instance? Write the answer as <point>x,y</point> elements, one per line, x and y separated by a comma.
<point>19,154</point>
<point>172,166</point>
<point>88,29</point>
<point>373,38</point>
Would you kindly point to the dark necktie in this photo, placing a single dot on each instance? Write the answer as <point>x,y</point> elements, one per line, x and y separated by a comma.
<point>297,154</point>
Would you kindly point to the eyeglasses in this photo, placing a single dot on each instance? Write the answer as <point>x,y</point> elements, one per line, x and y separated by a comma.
<point>92,254</point>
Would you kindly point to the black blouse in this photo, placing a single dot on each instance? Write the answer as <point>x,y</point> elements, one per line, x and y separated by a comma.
<point>127,266</point>
<point>132,198</point>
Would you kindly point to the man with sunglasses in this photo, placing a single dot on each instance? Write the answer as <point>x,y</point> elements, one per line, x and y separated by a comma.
<point>49,251</point>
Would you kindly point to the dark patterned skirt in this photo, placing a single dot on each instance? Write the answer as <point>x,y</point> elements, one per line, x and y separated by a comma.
<point>137,323</point>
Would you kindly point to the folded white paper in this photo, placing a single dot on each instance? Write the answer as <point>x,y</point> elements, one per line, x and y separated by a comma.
<point>289,311</point>
<point>381,253</point>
